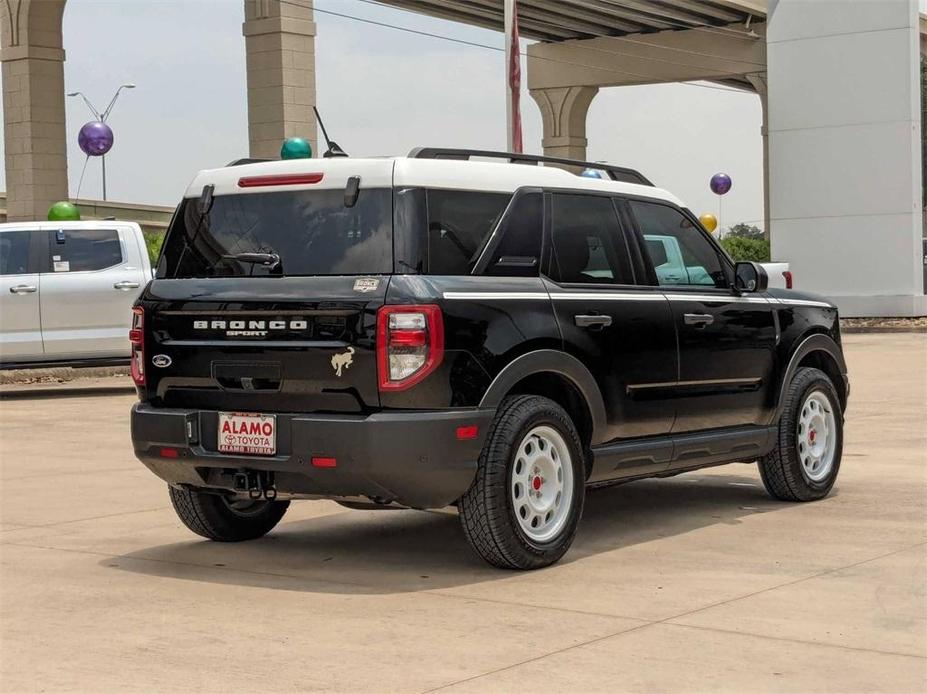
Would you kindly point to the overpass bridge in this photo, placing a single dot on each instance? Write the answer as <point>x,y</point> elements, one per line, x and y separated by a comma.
<point>839,82</point>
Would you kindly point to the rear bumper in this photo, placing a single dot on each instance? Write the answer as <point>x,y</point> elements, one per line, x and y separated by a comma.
<point>411,458</point>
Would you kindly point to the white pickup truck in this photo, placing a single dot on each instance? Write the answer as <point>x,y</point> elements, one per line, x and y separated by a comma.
<point>674,270</point>
<point>779,275</point>
<point>66,291</point>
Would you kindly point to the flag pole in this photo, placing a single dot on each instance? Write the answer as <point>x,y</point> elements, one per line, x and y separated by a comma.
<point>508,13</point>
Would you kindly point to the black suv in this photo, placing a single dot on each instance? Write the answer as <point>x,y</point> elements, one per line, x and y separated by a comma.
<point>429,330</point>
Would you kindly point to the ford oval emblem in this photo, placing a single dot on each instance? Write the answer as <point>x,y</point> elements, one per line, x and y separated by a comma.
<point>161,360</point>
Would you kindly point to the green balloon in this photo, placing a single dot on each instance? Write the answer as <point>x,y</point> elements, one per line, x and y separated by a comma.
<point>295,148</point>
<point>63,212</point>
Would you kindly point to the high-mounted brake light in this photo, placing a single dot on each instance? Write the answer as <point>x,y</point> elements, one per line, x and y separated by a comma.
<point>788,279</point>
<point>410,344</point>
<point>137,340</point>
<point>279,180</point>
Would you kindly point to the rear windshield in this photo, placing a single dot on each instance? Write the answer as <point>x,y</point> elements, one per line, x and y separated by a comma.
<point>311,231</point>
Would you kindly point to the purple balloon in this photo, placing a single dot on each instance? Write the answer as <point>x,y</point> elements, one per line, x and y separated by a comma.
<point>95,138</point>
<point>720,183</point>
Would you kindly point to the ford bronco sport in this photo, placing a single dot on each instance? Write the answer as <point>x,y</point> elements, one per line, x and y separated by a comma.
<point>434,330</point>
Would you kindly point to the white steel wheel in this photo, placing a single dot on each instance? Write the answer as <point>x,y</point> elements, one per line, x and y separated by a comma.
<point>542,482</point>
<point>816,438</point>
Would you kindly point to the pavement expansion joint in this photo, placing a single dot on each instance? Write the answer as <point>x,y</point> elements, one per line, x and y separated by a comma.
<point>668,621</point>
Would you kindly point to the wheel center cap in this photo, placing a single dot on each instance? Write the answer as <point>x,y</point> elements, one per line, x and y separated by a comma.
<point>536,483</point>
<point>812,435</point>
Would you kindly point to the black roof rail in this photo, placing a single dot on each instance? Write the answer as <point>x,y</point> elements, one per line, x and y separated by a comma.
<point>616,173</point>
<point>247,160</point>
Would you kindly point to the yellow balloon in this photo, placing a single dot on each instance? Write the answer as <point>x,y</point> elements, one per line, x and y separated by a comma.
<point>709,221</point>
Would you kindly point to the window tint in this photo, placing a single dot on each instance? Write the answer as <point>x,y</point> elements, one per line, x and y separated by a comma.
<point>459,223</point>
<point>76,250</point>
<point>679,252</point>
<point>588,245</point>
<point>311,231</point>
<point>519,251</point>
<point>410,242</point>
<point>14,252</point>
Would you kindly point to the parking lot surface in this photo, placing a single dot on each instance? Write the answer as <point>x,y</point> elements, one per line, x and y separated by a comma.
<point>697,583</point>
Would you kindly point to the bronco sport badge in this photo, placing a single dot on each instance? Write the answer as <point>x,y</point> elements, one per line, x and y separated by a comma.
<point>366,284</point>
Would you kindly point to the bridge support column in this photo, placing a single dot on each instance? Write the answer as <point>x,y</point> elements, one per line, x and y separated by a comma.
<point>845,171</point>
<point>758,80</point>
<point>563,111</point>
<point>280,49</point>
<point>33,109</point>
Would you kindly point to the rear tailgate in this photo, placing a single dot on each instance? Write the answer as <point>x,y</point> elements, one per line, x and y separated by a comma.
<point>265,344</point>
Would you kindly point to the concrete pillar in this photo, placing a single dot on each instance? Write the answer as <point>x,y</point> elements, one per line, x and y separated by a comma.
<point>280,49</point>
<point>563,111</point>
<point>33,108</point>
<point>845,155</point>
<point>758,80</point>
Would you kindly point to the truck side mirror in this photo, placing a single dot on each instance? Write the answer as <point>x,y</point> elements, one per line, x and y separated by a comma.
<point>750,277</point>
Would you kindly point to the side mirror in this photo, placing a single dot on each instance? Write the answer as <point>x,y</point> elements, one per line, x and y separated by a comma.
<point>750,277</point>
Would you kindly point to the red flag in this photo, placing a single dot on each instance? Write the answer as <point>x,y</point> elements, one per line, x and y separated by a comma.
<point>515,81</point>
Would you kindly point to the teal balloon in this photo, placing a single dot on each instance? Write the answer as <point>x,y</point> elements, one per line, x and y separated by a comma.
<point>295,148</point>
<point>63,212</point>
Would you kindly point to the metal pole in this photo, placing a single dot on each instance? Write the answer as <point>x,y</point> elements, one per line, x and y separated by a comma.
<point>509,13</point>
<point>104,177</point>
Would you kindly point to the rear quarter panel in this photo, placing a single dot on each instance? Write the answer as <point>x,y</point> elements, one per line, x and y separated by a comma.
<point>486,326</point>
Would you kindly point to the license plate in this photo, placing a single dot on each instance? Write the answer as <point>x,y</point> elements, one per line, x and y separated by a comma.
<point>251,434</point>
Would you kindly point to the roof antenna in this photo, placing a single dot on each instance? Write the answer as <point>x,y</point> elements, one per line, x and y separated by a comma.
<point>333,149</point>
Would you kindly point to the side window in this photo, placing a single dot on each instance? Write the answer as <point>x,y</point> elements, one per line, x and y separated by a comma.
<point>14,252</point>
<point>519,251</point>
<point>459,223</point>
<point>680,253</point>
<point>588,245</point>
<point>76,250</point>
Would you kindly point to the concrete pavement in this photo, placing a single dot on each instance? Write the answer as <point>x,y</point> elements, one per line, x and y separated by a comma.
<point>696,583</point>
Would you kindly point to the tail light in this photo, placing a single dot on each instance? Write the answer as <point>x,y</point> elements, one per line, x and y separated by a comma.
<point>410,344</point>
<point>137,339</point>
<point>788,278</point>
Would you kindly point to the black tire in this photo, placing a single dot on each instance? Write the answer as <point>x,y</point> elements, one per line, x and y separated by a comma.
<point>487,512</point>
<point>215,517</point>
<point>782,471</point>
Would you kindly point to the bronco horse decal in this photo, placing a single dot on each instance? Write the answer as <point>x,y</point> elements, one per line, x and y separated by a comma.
<point>342,361</point>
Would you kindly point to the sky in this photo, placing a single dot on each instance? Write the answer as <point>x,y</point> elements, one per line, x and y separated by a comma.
<point>380,91</point>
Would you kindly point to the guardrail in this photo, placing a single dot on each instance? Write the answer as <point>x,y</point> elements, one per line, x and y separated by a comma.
<point>151,218</point>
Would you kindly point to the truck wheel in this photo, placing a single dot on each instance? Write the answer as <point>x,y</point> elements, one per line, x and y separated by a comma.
<point>804,464</point>
<point>219,518</point>
<point>522,510</point>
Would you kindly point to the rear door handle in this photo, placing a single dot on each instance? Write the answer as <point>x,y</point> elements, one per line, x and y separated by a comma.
<point>23,289</point>
<point>699,319</point>
<point>594,321</point>
<point>126,285</point>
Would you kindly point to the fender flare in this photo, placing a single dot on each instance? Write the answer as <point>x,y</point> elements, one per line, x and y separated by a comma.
<point>551,361</point>
<point>813,343</point>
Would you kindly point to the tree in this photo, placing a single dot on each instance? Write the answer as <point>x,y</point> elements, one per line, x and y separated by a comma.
<point>745,231</point>
<point>741,248</point>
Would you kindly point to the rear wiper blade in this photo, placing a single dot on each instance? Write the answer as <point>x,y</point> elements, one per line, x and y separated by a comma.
<point>269,260</point>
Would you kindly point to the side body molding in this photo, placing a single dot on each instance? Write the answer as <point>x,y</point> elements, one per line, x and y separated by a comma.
<point>813,343</point>
<point>550,361</point>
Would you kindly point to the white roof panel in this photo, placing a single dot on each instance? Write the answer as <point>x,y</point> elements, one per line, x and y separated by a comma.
<point>404,172</point>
